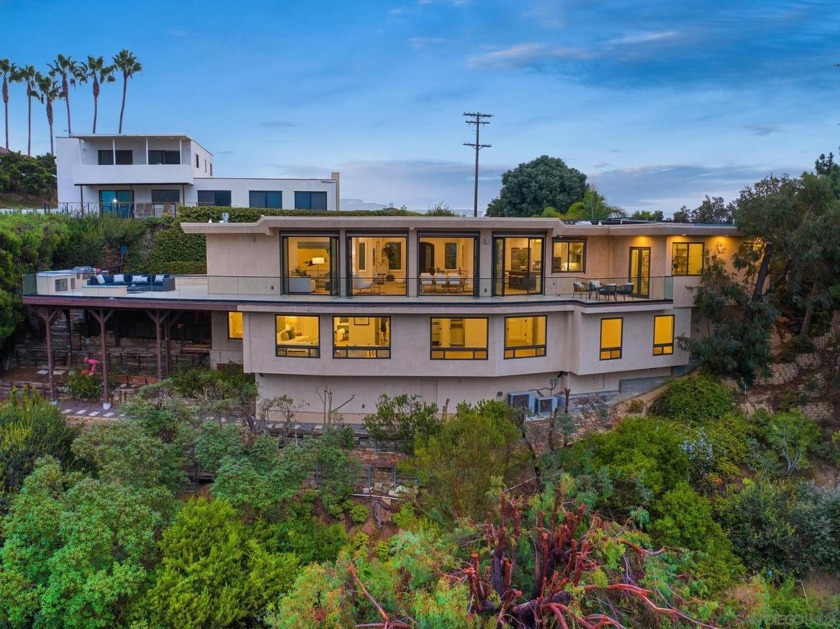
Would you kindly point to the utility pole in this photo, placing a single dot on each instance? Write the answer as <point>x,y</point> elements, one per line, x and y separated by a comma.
<point>478,146</point>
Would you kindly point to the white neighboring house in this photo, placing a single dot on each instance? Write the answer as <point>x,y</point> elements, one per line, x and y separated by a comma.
<point>151,175</point>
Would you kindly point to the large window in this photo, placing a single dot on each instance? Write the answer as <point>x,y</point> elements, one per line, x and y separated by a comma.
<point>447,264</point>
<point>234,325</point>
<point>377,264</point>
<point>687,258</point>
<point>118,202</point>
<point>214,197</point>
<point>310,200</point>
<point>123,157</point>
<point>164,157</point>
<point>611,336</point>
<point>265,199</point>
<point>568,256</point>
<point>459,338</point>
<point>524,337</point>
<point>311,264</point>
<point>166,196</point>
<point>361,337</point>
<point>297,337</point>
<point>517,265</point>
<point>663,335</point>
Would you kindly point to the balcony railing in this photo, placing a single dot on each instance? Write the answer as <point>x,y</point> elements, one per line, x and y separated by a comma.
<point>121,210</point>
<point>604,290</point>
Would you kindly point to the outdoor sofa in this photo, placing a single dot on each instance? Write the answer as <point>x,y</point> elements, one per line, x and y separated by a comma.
<point>134,281</point>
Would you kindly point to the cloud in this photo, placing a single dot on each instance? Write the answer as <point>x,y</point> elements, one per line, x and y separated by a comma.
<point>763,129</point>
<point>223,152</point>
<point>426,42</point>
<point>667,187</point>
<point>645,38</point>
<point>525,55</point>
<point>277,124</point>
<point>175,32</point>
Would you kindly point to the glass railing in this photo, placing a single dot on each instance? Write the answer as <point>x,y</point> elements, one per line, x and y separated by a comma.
<point>439,286</point>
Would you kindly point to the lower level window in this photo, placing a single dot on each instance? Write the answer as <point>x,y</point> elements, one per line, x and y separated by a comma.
<point>663,335</point>
<point>219,198</point>
<point>611,334</point>
<point>525,337</point>
<point>459,339</point>
<point>361,337</point>
<point>234,325</point>
<point>297,337</point>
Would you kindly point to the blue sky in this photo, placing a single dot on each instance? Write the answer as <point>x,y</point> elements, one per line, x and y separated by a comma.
<point>659,102</point>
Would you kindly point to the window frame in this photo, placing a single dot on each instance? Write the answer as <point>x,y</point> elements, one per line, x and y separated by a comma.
<point>372,352</point>
<point>474,351</point>
<point>569,242</point>
<point>666,349</point>
<point>615,352</point>
<point>265,194</point>
<point>163,154</point>
<point>231,315</point>
<point>113,158</point>
<point>157,191</point>
<point>517,351</point>
<point>688,245</point>
<point>215,198</point>
<point>282,350</point>
<point>300,205</point>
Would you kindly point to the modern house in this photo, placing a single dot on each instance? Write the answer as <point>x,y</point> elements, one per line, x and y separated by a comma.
<point>453,309</point>
<point>151,175</point>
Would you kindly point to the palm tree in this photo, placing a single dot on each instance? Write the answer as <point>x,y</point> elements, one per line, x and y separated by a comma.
<point>48,90</point>
<point>27,75</point>
<point>70,71</point>
<point>8,70</point>
<point>96,70</point>
<point>126,63</point>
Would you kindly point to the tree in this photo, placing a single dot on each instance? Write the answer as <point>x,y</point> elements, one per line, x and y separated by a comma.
<point>48,89</point>
<point>215,572</point>
<point>647,215</point>
<point>594,206</point>
<point>70,71</point>
<point>711,210</point>
<point>98,73</point>
<point>400,419</point>
<point>531,187</point>
<point>76,550</point>
<point>474,450</point>
<point>8,71</point>
<point>127,64</point>
<point>31,428</point>
<point>737,339</point>
<point>788,220</point>
<point>28,76</point>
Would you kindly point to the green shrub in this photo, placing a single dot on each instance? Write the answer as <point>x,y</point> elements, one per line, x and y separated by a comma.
<point>684,519</point>
<point>83,386</point>
<point>637,462</point>
<point>359,513</point>
<point>695,399</point>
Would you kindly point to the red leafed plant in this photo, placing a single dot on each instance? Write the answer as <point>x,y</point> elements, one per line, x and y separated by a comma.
<point>585,576</point>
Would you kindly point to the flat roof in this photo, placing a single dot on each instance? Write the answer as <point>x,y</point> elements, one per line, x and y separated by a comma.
<point>338,220</point>
<point>115,136</point>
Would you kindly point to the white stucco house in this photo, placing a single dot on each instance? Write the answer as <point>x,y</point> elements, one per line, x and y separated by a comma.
<point>151,175</point>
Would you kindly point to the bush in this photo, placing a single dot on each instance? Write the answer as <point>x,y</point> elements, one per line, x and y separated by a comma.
<point>695,399</point>
<point>359,513</point>
<point>401,419</point>
<point>684,519</point>
<point>83,386</point>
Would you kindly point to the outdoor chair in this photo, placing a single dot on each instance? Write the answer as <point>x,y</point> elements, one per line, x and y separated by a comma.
<point>608,290</point>
<point>625,290</point>
<point>594,287</point>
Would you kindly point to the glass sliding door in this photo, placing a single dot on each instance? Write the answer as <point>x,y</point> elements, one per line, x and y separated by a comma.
<point>310,264</point>
<point>448,264</point>
<point>377,264</point>
<point>639,274</point>
<point>517,265</point>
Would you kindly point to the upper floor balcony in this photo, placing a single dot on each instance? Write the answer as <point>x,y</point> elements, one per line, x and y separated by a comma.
<point>325,291</point>
<point>132,174</point>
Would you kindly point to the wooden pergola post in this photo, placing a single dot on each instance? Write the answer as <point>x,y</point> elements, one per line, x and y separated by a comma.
<point>102,317</point>
<point>49,315</point>
<point>158,318</point>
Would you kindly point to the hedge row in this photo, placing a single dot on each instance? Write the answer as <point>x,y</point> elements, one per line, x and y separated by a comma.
<point>205,213</point>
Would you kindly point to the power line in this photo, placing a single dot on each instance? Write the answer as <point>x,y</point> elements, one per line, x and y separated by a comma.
<point>477,121</point>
